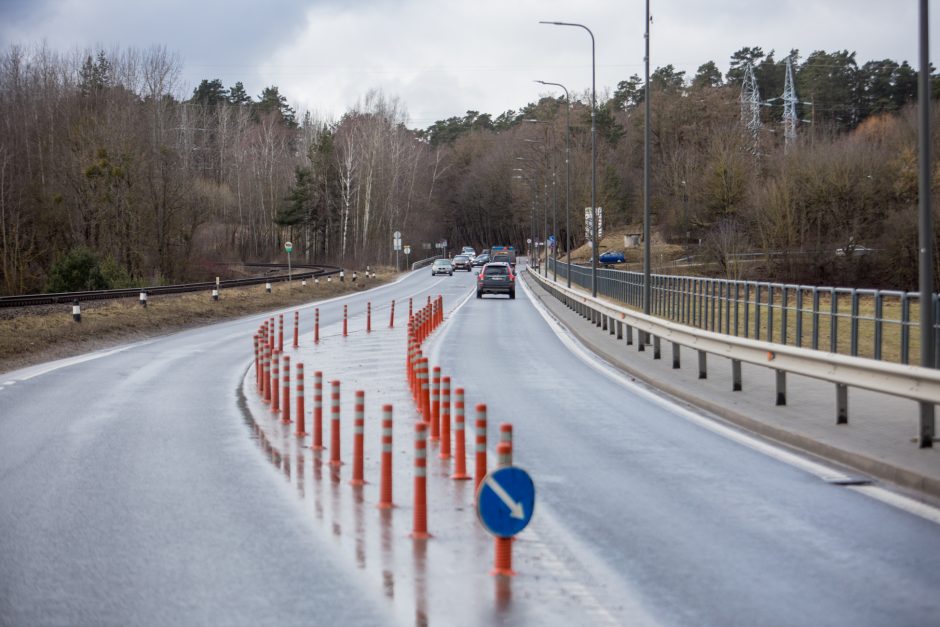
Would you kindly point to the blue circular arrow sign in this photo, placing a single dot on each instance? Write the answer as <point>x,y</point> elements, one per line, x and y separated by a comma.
<point>505,501</point>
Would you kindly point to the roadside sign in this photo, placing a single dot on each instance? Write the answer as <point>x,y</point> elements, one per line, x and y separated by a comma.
<point>288,246</point>
<point>505,501</point>
<point>396,235</point>
<point>407,249</point>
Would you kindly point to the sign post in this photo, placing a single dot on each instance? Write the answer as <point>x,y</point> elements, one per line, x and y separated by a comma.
<point>407,254</point>
<point>288,247</point>
<point>396,246</point>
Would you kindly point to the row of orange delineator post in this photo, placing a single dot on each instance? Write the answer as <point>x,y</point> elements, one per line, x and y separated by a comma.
<point>432,397</point>
<point>431,393</point>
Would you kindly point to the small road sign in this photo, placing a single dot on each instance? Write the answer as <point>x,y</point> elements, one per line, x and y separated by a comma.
<point>407,249</point>
<point>288,246</point>
<point>396,235</point>
<point>505,501</point>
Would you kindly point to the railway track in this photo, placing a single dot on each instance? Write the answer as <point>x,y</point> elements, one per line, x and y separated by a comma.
<point>299,272</point>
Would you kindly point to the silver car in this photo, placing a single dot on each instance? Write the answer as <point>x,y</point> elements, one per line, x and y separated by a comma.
<point>442,266</point>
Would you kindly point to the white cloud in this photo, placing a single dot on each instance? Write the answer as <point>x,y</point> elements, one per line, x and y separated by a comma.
<point>442,58</point>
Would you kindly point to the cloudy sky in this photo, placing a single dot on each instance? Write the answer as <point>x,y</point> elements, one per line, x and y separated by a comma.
<point>442,57</point>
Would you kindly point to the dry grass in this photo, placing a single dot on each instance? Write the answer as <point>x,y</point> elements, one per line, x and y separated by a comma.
<point>29,336</point>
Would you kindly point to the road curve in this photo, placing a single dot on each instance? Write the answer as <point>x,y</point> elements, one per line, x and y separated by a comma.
<point>133,493</point>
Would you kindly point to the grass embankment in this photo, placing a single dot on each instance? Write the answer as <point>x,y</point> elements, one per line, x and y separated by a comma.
<point>34,335</point>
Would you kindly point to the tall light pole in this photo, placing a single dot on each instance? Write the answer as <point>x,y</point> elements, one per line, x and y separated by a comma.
<point>594,243</point>
<point>567,180</point>
<point>647,291</point>
<point>925,227</point>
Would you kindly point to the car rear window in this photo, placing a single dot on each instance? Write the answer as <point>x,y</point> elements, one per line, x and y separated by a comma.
<point>496,270</point>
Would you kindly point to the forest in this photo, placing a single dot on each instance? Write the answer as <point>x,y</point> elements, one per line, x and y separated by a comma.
<point>105,166</point>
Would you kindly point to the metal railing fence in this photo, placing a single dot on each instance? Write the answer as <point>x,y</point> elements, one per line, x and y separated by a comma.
<point>878,324</point>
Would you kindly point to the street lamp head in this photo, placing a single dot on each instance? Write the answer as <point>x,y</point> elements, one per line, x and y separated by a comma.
<point>554,23</point>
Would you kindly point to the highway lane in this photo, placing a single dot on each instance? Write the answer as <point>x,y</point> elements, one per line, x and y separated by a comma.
<point>131,493</point>
<point>699,529</point>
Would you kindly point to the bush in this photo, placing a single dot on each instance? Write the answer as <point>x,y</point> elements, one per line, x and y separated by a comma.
<point>77,271</point>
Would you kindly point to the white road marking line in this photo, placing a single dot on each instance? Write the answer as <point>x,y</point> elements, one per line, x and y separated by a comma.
<point>819,470</point>
<point>900,501</point>
<point>36,371</point>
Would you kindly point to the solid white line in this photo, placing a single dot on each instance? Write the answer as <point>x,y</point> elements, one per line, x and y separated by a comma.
<point>900,501</point>
<point>820,470</point>
<point>35,371</point>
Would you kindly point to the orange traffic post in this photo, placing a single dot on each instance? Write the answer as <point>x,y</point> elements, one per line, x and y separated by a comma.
<point>444,418</point>
<point>345,320</point>
<point>266,373</point>
<point>276,381</point>
<point>369,317</point>
<point>299,393</point>
<point>280,332</point>
<point>285,391</point>
<point>502,563</point>
<point>317,411</point>
<point>480,470</point>
<point>420,528</point>
<point>359,438</point>
<point>460,443</point>
<point>425,390</point>
<point>334,424</point>
<point>316,325</point>
<point>385,489</point>
<point>505,433</point>
<point>296,329</point>
<point>435,403</point>
<point>257,362</point>
<point>391,317</point>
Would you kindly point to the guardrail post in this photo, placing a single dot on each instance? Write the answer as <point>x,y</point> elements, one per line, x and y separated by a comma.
<point>619,330</point>
<point>629,335</point>
<point>604,322</point>
<point>735,375</point>
<point>702,365</point>
<point>927,425</point>
<point>781,387</point>
<point>842,404</point>
<point>675,355</point>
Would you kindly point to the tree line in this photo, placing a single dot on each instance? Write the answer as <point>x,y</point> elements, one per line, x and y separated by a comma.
<point>105,166</point>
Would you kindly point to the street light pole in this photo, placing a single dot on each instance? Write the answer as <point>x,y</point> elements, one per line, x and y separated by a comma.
<point>925,236</point>
<point>567,180</point>
<point>594,242</point>
<point>647,291</point>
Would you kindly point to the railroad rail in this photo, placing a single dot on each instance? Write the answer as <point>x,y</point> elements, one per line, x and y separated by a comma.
<point>300,272</point>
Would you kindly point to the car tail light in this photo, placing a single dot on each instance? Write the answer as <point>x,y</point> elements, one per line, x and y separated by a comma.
<point>480,277</point>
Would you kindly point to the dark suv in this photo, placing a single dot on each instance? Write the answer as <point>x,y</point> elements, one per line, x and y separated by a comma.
<point>496,278</point>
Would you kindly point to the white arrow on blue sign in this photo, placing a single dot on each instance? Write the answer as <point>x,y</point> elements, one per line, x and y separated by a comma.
<point>505,501</point>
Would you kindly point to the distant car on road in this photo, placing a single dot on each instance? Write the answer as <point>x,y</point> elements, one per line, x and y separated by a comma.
<point>480,260</point>
<point>469,251</point>
<point>496,278</point>
<point>462,262</point>
<point>442,266</point>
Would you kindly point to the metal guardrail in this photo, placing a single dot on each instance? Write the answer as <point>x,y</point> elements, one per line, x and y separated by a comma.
<point>306,272</point>
<point>424,262</point>
<point>912,382</point>
<point>880,324</point>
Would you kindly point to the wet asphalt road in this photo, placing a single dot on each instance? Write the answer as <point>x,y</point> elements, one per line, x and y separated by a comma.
<point>131,493</point>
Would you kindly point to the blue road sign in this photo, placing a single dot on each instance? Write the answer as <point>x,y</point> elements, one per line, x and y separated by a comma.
<point>505,501</point>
